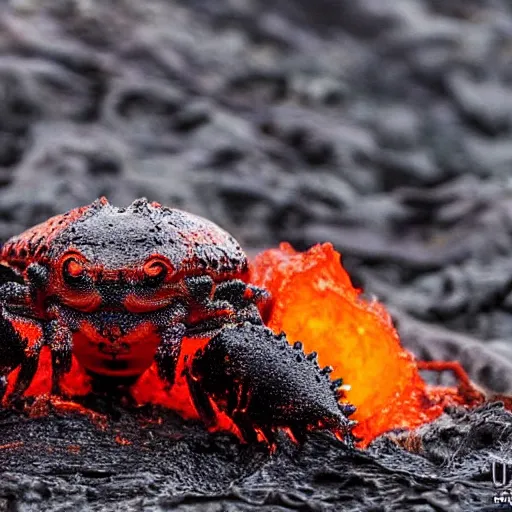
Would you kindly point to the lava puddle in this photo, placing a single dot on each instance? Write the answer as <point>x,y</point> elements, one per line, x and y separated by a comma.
<point>314,302</point>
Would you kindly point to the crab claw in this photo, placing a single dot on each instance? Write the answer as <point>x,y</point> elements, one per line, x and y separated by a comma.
<point>264,384</point>
<point>16,351</point>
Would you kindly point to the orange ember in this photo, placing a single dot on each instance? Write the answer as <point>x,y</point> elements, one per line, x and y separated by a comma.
<point>12,446</point>
<point>314,302</point>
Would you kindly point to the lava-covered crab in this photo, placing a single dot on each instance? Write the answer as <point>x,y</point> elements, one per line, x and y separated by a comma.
<point>119,288</point>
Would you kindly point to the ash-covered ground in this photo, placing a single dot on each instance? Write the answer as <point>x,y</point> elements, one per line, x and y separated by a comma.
<point>64,462</point>
<point>383,126</point>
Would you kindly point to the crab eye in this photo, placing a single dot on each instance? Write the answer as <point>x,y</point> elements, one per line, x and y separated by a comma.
<point>73,271</point>
<point>155,270</point>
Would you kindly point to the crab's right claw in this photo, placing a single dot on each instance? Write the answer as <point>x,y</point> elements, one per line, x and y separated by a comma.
<point>264,384</point>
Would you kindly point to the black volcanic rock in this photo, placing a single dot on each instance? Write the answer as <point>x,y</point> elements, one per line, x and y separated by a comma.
<point>67,462</point>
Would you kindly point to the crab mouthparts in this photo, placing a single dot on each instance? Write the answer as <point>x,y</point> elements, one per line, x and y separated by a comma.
<point>113,350</point>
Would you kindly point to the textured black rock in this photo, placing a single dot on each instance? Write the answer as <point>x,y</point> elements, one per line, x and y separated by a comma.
<point>149,459</point>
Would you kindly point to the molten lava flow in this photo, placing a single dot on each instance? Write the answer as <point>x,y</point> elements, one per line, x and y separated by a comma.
<point>314,302</point>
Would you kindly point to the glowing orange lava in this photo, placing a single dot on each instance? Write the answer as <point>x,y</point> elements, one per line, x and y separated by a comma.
<point>314,302</point>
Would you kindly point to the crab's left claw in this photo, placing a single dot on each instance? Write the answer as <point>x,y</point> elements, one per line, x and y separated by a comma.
<point>265,384</point>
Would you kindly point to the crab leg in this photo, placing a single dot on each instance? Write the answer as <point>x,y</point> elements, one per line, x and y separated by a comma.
<point>200,399</point>
<point>239,294</point>
<point>28,369</point>
<point>231,301</point>
<point>15,296</point>
<point>15,348</point>
<point>244,298</point>
<point>168,351</point>
<point>60,340</point>
<point>210,312</point>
